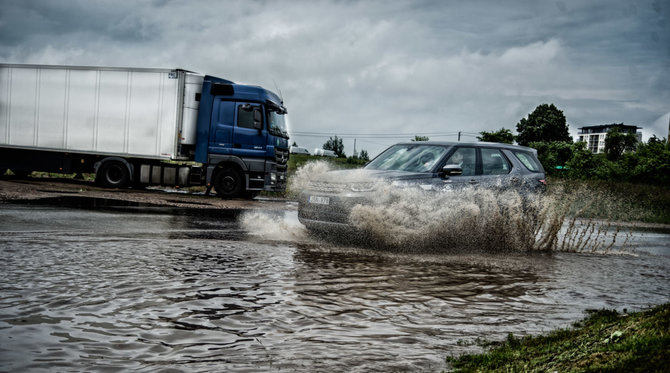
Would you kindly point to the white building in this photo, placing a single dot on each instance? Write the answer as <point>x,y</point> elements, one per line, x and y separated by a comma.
<point>594,136</point>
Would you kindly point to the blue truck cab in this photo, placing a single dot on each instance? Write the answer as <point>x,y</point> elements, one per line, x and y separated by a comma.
<point>242,138</point>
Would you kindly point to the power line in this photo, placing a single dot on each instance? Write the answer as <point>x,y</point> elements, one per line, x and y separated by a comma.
<point>294,134</point>
<point>374,134</point>
<point>376,143</point>
<point>380,135</point>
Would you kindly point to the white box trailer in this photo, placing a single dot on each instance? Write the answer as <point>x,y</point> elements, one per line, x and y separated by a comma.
<point>144,113</point>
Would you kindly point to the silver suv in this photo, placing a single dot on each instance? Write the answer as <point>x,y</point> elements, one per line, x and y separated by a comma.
<point>327,200</point>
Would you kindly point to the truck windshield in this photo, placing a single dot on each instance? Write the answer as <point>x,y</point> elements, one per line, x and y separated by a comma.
<point>277,123</point>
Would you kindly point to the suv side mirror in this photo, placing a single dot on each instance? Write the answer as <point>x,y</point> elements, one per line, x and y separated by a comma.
<point>451,170</point>
<point>258,119</point>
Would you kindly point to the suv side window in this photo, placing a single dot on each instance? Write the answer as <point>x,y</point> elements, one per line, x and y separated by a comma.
<point>464,158</point>
<point>494,162</point>
<point>528,160</point>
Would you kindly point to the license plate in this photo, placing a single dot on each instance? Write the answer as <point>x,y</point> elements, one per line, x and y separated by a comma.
<point>319,200</point>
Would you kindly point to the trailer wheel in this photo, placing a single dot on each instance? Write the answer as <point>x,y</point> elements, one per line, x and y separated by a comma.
<point>228,183</point>
<point>114,174</point>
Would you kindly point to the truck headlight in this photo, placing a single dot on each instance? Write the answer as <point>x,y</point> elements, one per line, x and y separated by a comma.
<point>273,178</point>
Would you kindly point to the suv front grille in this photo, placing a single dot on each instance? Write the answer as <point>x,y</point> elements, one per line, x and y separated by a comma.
<point>323,187</point>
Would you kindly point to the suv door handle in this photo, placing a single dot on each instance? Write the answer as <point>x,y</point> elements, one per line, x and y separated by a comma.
<point>237,145</point>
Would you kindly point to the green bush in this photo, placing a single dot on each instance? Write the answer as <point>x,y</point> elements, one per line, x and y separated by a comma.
<point>649,163</point>
<point>554,156</point>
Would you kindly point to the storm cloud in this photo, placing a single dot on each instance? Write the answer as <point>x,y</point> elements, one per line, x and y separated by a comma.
<point>380,67</point>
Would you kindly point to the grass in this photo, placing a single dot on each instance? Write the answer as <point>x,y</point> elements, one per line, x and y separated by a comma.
<point>298,160</point>
<point>606,341</point>
<point>55,175</point>
<point>617,201</point>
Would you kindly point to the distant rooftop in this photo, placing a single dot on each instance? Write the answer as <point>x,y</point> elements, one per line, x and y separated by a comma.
<point>602,128</point>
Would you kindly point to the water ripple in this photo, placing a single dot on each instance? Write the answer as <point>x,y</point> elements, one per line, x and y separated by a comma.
<point>121,291</point>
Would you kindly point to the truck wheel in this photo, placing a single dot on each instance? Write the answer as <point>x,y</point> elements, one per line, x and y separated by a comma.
<point>113,174</point>
<point>228,183</point>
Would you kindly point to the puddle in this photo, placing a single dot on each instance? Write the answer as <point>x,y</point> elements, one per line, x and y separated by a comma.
<point>111,285</point>
<point>106,204</point>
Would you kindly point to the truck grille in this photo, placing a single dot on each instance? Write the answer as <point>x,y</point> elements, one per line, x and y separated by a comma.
<point>281,156</point>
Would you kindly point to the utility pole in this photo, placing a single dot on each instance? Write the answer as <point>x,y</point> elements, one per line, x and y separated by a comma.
<point>354,147</point>
<point>459,136</point>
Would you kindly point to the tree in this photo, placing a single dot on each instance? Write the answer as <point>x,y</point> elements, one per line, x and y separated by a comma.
<point>650,163</point>
<point>295,144</point>
<point>420,138</point>
<point>335,144</point>
<point>504,136</point>
<point>653,140</point>
<point>554,156</point>
<point>364,155</point>
<point>546,123</point>
<point>583,163</point>
<point>617,142</point>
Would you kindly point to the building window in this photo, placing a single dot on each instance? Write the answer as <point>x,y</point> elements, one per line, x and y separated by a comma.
<point>593,143</point>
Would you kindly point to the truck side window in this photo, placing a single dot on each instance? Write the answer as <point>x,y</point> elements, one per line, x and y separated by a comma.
<point>245,116</point>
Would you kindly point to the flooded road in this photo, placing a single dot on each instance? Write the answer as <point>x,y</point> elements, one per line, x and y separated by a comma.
<point>115,288</point>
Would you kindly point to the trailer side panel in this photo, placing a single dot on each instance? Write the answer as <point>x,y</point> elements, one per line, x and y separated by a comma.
<point>125,112</point>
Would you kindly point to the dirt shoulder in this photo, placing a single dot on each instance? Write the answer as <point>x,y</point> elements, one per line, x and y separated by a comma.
<point>27,189</point>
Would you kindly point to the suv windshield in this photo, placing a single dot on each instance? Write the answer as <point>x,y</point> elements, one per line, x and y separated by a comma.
<point>408,157</point>
<point>277,123</point>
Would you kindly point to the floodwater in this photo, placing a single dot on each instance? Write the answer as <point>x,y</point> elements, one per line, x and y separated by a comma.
<point>98,287</point>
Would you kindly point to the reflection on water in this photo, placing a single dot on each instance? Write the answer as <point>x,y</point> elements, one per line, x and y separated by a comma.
<point>109,289</point>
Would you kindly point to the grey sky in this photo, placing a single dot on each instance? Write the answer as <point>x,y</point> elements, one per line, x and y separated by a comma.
<point>361,67</point>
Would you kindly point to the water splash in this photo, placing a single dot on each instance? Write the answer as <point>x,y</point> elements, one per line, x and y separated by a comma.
<point>273,226</point>
<point>280,226</point>
<point>409,218</point>
<point>305,174</point>
<point>456,220</point>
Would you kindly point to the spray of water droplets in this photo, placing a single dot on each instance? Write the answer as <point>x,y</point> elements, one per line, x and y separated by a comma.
<point>409,218</point>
